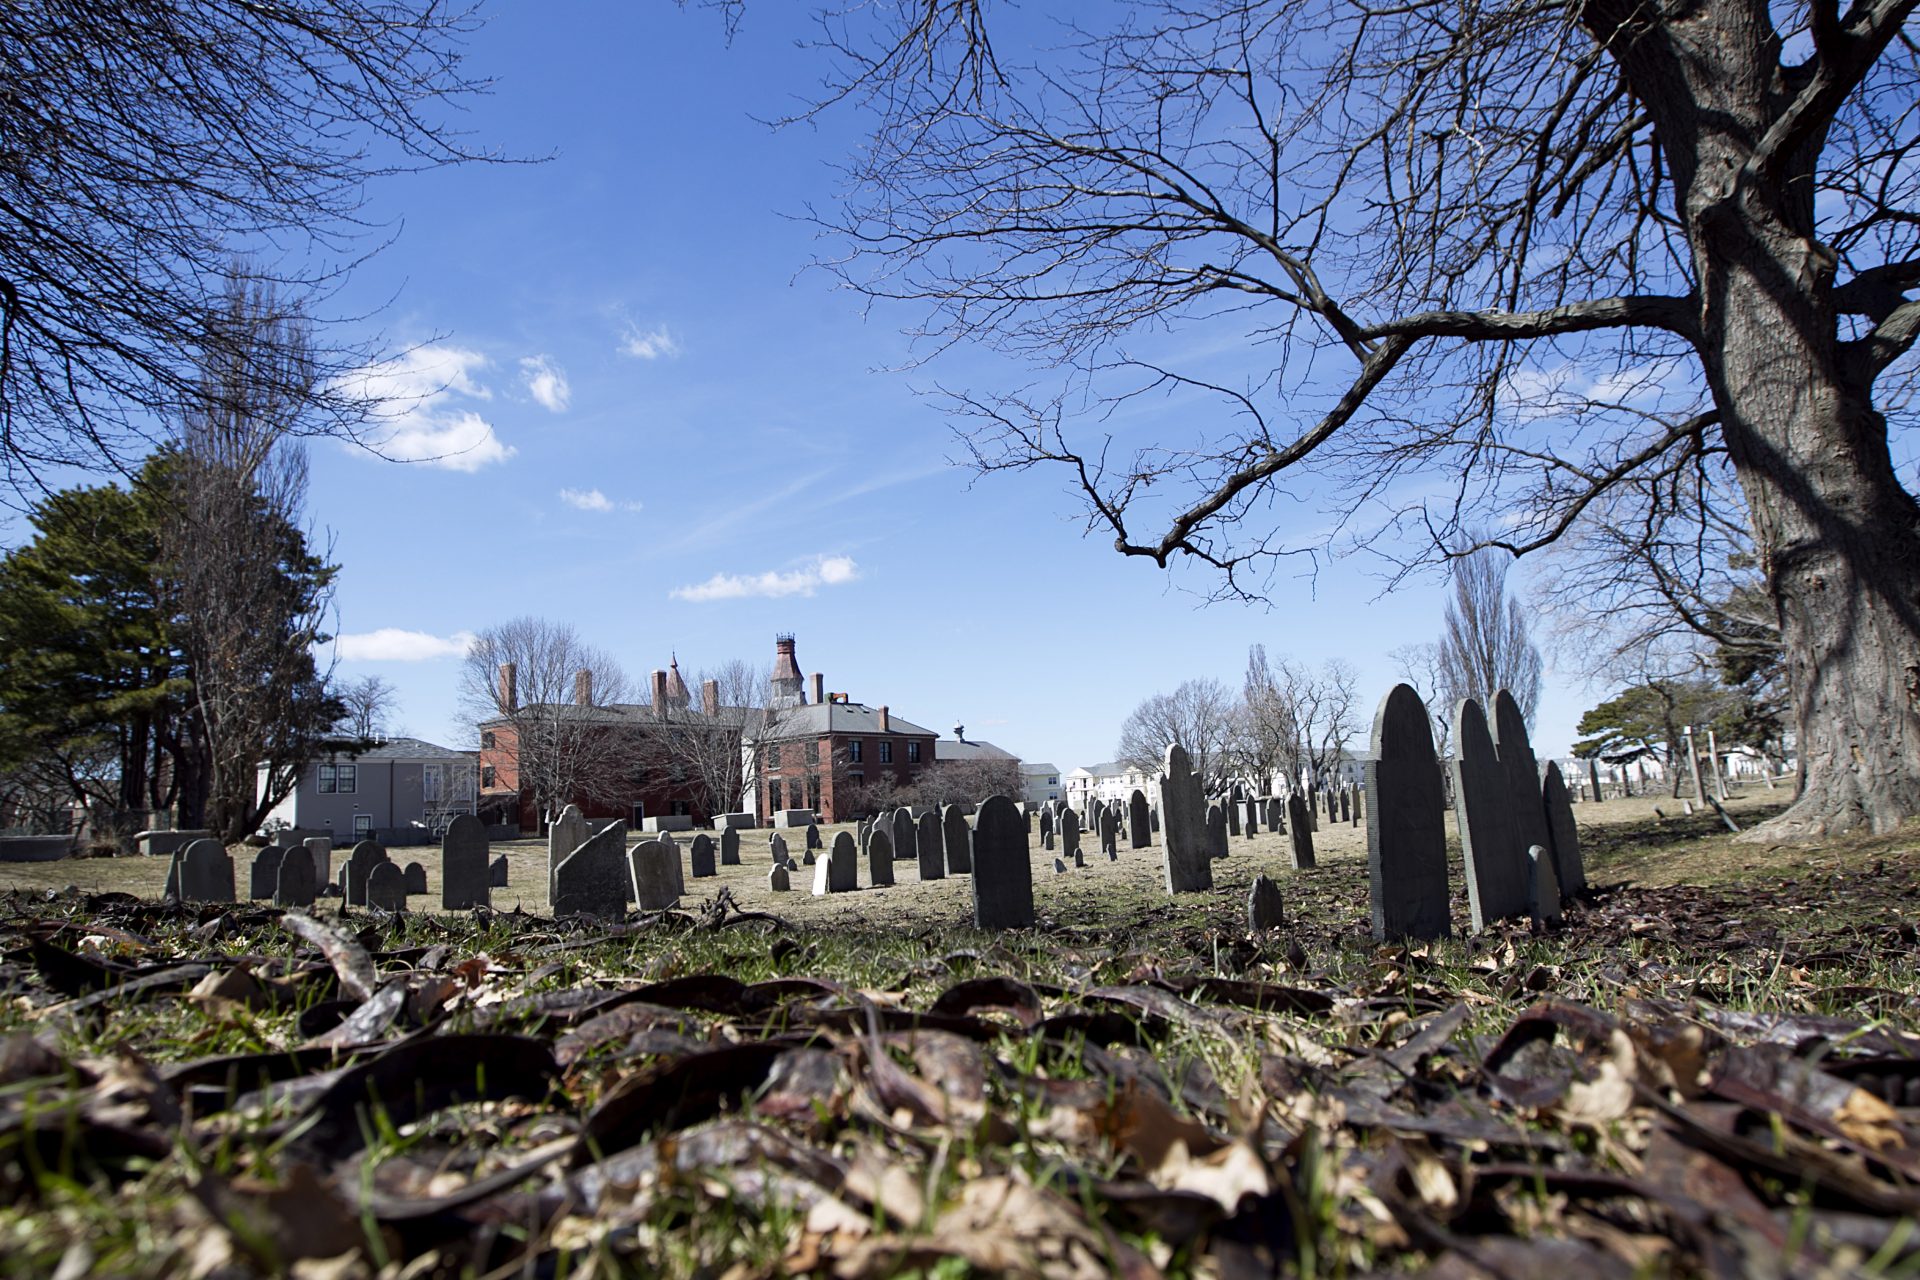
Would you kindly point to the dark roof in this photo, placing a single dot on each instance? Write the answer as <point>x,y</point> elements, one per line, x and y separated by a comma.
<point>394,749</point>
<point>963,750</point>
<point>817,719</point>
<point>640,713</point>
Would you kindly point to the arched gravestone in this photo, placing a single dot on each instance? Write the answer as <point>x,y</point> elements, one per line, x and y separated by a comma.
<point>778,881</point>
<point>1233,815</point>
<point>321,847</point>
<point>653,875</point>
<point>387,887</point>
<point>813,836</point>
<point>1046,827</point>
<point>1139,820</point>
<point>843,864</point>
<point>879,857</point>
<point>1406,827</point>
<point>730,847</point>
<point>1002,867</point>
<point>677,867</point>
<point>1184,823</point>
<point>263,877</point>
<point>1569,869</point>
<point>413,877</point>
<point>1266,908</point>
<point>905,840</point>
<point>1217,830</point>
<point>1069,834</point>
<point>931,847</point>
<point>1109,831</point>
<point>465,881</point>
<point>595,878</point>
<point>295,886</point>
<point>1250,823</point>
<point>700,857</point>
<point>1495,863</point>
<point>957,836</point>
<point>565,834</point>
<point>366,855</point>
<point>1523,775</point>
<point>777,849</point>
<point>1300,831</point>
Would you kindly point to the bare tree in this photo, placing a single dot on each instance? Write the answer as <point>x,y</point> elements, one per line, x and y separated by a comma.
<point>252,124</point>
<point>1420,666</point>
<point>953,781</point>
<point>1197,715</point>
<point>370,703</point>
<point>1484,643</point>
<point>1265,735</point>
<point>1521,254</point>
<point>573,737</point>
<point>718,758</point>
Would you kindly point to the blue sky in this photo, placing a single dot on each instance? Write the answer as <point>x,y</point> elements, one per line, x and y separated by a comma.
<point>679,439</point>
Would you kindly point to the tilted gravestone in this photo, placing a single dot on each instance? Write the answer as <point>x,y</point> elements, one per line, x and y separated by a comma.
<point>678,868</point>
<point>1523,775</point>
<point>1406,827</point>
<point>777,850</point>
<point>321,847</point>
<point>1217,830</point>
<point>905,839</point>
<point>1568,867</point>
<point>497,873</point>
<point>1543,890</point>
<point>778,880</point>
<point>1139,820</point>
<point>263,877</point>
<point>957,836</point>
<point>1188,866</point>
<point>1266,909</point>
<point>413,878</point>
<point>1070,834</point>
<point>730,847</point>
<point>295,886</point>
<point>565,834</point>
<point>366,855</point>
<point>1300,831</point>
<point>653,875</point>
<point>879,857</point>
<point>844,865</point>
<point>1593,775</point>
<point>595,879</point>
<point>1495,863</point>
<point>932,847</point>
<point>1002,867</point>
<point>1109,831</point>
<point>700,857</point>
<point>1059,867</point>
<point>465,881</point>
<point>387,887</point>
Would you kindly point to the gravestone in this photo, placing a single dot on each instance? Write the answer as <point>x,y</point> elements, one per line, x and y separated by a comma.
<point>1273,816</point>
<point>497,873</point>
<point>932,847</point>
<point>1059,867</point>
<point>778,880</point>
<point>653,875</point>
<point>1233,816</point>
<point>1266,909</point>
<point>465,881</point>
<point>1139,820</point>
<point>595,878</point>
<point>1153,820</point>
<point>413,878</point>
<point>879,857</point>
<point>1189,868</point>
<point>813,836</point>
<point>1406,827</point>
<point>1523,775</point>
<point>365,856</point>
<point>1046,827</point>
<point>844,865</point>
<point>860,831</point>
<point>1251,822</point>
<point>1543,887</point>
<point>295,886</point>
<point>1593,774</point>
<point>1312,811</point>
<point>565,834</point>
<point>321,847</point>
<point>1002,867</point>
<point>1495,863</point>
<point>730,847</point>
<point>1300,831</point>
<point>1217,830</point>
<point>700,857</point>
<point>263,877</point>
<point>387,887</point>
<point>823,873</point>
<point>1346,805</point>
<point>905,839</point>
<point>807,858</point>
<point>957,836</point>
<point>777,849</point>
<point>1109,831</point>
<point>678,867</point>
<point>1069,830</point>
<point>1568,869</point>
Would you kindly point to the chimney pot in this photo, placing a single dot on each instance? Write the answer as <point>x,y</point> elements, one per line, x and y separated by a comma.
<point>886,725</point>
<point>710,697</point>
<point>583,688</point>
<point>509,688</point>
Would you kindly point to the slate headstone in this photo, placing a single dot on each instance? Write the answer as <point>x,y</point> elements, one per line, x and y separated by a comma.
<point>1059,867</point>
<point>1406,827</point>
<point>263,877</point>
<point>1568,868</point>
<point>1188,864</point>
<point>700,857</point>
<point>957,836</point>
<point>678,868</point>
<point>931,844</point>
<point>1346,805</point>
<point>1139,820</point>
<point>653,875</point>
<point>813,836</point>
<point>1275,807</point>
<point>1495,863</point>
<point>1266,908</point>
<point>295,886</point>
<point>1233,816</point>
<point>387,887</point>
<point>880,857</point>
<point>1523,775</point>
<point>778,880</point>
<point>321,847</point>
<point>565,834</point>
<point>904,837</point>
<point>465,879</point>
<point>365,856</point>
<point>1109,831</point>
<point>1593,774</point>
<point>1251,822</point>
<point>1217,830</point>
<point>777,850</point>
<point>1046,827</point>
<point>1002,867</point>
<point>1543,889</point>
<point>730,847</point>
<point>1300,830</point>
<point>596,879</point>
<point>413,877</point>
<point>1069,832</point>
<point>497,873</point>
<point>844,864</point>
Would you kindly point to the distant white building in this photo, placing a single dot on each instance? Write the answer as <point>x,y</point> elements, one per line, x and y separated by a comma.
<point>1109,781</point>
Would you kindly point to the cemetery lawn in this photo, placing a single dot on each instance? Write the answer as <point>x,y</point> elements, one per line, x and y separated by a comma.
<point>1712,1069</point>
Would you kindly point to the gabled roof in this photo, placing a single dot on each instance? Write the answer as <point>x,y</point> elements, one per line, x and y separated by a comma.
<point>818,719</point>
<point>1107,769</point>
<point>394,749</point>
<point>638,714</point>
<point>964,750</point>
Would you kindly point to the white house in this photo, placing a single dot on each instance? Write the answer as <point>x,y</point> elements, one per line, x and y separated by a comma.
<point>384,790</point>
<point>1109,781</point>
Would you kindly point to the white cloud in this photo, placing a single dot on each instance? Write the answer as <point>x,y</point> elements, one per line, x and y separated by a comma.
<point>393,644</point>
<point>546,382</point>
<point>594,500</point>
<point>826,571</point>
<point>649,344</point>
<point>417,419</point>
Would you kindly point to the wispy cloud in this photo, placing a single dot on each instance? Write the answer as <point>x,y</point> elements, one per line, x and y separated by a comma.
<point>594,500</point>
<point>417,419</point>
<point>546,382</point>
<point>824,571</point>
<point>649,344</point>
<point>394,644</point>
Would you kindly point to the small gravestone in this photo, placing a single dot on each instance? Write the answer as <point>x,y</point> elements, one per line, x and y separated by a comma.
<point>1216,831</point>
<point>595,878</point>
<point>1079,858</point>
<point>1266,909</point>
<point>565,834</point>
<point>777,850</point>
<point>931,843</point>
<point>1300,831</point>
<point>678,868</point>
<point>1046,828</point>
<point>1109,831</point>
<point>813,836</point>
<point>823,873</point>
<point>366,855</point>
<point>1568,869</point>
<point>807,858</point>
<point>1312,810</point>
<point>464,878</point>
<point>700,857</point>
<point>1346,805</point>
<point>295,886</point>
<point>879,857</point>
<point>904,837</point>
<point>1333,807</point>
<point>321,848</point>
<point>1406,827</point>
<point>1593,774</point>
<point>1188,864</point>
<point>844,865</point>
<point>1523,775</point>
<point>1139,820</point>
<point>653,875</point>
<point>1251,821</point>
<point>263,878</point>
<point>387,887</point>
<point>730,847</point>
<point>1543,887</point>
<point>778,880</point>
<point>1276,808</point>
<point>1002,867</point>
<point>414,877</point>
<point>497,873</point>
<point>1069,831</point>
<point>1059,867</point>
<point>1495,864</point>
<point>1233,817</point>
<point>957,836</point>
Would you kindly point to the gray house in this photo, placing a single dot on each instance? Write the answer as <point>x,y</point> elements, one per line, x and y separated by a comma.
<point>397,791</point>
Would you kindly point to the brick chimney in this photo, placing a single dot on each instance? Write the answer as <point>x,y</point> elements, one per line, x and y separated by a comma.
<point>583,688</point>
<point>819,687</point>
<point>710,697</point>
<point>509,688</point>
<point>886,725</point>
<point>657,682</point>
<point>788,685</point>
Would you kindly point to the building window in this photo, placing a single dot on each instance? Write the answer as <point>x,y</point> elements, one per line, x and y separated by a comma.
<point>486,775</point>
<point>486,739</point>
<point>773,755</point>
<point>348,775</point>
<point>1053,781</point>
<point>328,782</point>
<point>813,753</point>
<point>913,753</point>
<point>430,783</point>
<point>886,752</point>
<point>853,751</point>
<point>773,795</point>
<point>362,826</point>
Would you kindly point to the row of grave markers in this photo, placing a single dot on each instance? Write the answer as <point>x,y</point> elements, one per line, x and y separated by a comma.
<point>297,875</point>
